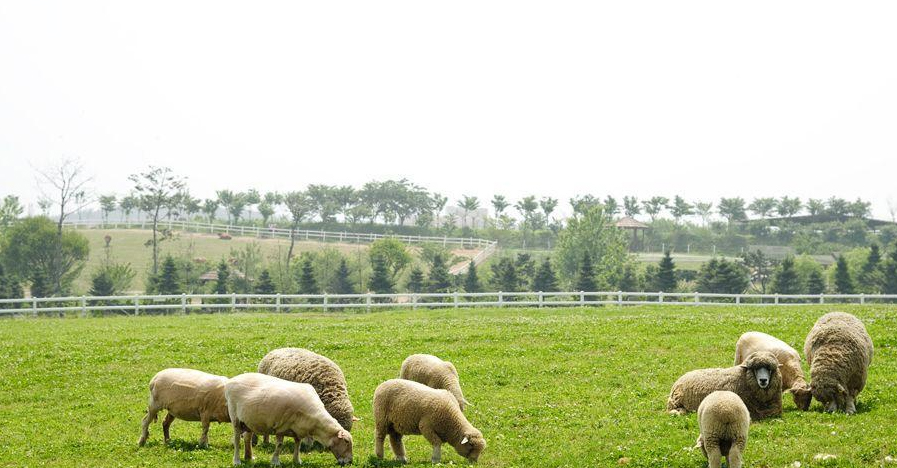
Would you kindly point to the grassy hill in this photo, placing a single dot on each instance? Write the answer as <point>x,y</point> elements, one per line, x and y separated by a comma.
<point>550,387</point>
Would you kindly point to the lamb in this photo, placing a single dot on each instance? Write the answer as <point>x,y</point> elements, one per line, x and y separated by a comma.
<point>435,373</point>
<point>303,366</point>
<point>187,394</point>
<point>757,381</point>
<point>259,403</point>
<point>792,374</point>
<point>403,407</point>
<point>839,351</point>
<point>723,420</point>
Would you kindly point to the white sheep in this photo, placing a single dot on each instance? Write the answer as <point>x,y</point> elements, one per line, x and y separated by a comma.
<point>435,373</point>
<point>724,421</point>
<point>792,373</point>
<point>259,403</point>
<point>187,394</point>
<point>403,407</point>
<point>839,351</point>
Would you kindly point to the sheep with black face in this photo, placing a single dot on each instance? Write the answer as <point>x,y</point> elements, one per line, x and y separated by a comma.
<point>757,381</point>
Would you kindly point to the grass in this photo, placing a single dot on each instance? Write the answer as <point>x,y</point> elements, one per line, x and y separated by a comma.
<point>551,387</point>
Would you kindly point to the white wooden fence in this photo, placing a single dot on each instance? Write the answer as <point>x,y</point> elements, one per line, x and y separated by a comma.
<point>184,303</point>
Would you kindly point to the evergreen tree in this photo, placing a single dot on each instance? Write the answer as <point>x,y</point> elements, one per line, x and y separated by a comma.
<point>342,284</point>
<point>471,280</point>
<point>265,285</point>
<point>307,282</point>
<point>381,280</point>
<point>723,276</point>
<point>843,281</point>
<point>816,282</point>
<point>585,279</point>
<point>872,278</point>
<point>101,285</point>
<point>440,280</point>
<point>629,281</point>
<point>416,280</point>
<point>545,279</point>
<point>10,288</point>
<point>504,276</point>
<point>665,279</point>
<point>526,268</point>
<point>223,277</point>
<point>786,280</point>
<point>167,281</point>
<point>40,285</point>
<point>890,272</point>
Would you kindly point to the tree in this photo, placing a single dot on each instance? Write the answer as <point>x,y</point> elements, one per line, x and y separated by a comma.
<point>504,275</point>
<point>629,282</point>
<point>438,202</point>
<point>209,208</point>
<point>225,200</point>
<point>859,209</point>
<point>467,204</point>
<point>299,207</point>
<point>545,280</point>
<point>815,207</point>
<point>872,278</point>
<point>760,267</point>
<point>156,188</point>
<point>70,185</point>
<point>722,276</point>
<point>843,281</point>
<point>890,272</point>
<point>221,284</point>
<point>416,280</point>
<point>471,280</point>
<point>548,206</point>
<point>107,204</point>
<point>681,208</point>
<point>611,205</point>
<point>763,206</point>
<point>9,211</point>
<point>594,233</point>
<point>654,206</point>
<point>732,209</point>
<point>265,284</point>
<point>308,284</point>
<point>527,207</point>
<point>786,280</point>
<point>128,204</point>
<point>381,280</point>
<point>440,280</point>
<point>665,279</point>
<point>342,283</point>
<point>585,277</point>
<point>499,204</point>
<point>582,203</point>
<point>101,285</point>
<point>10,287</point>
<point>32,249</point>
<point>166,283</point>
<point>815,282</point>
<point>787,207</point>
<point>238,205</point>
<point>704,210</point>
<point>631,206</point>
<point>393,252</point>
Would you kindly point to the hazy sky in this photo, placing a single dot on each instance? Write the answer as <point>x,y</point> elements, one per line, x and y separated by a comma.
<point>702,99</point>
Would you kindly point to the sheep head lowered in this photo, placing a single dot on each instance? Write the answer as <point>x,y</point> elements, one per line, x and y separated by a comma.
<point>471,446</point>
<point>830,393</point>
<point>341,447</point>
<point>762,367</point>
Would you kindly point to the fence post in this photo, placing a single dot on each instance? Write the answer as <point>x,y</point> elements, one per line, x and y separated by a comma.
<point>414,301</point>
<point>183,303</point>
<point>697,299</point>
<point>83,306</point>
<point>136,305</point>
<point>777,298</point>
<point>862,298</point>
<point>501,300</point>
<point>367,300</point>
<point>277,303</point>
<point>233,302</point>
<point>660,297</point>
<point>541,299</point>
<point>455,299</point>
<point>822,298</point>
<point>738,298</point>
<point>326,302</point>
<point>582,299</point>
<point>34,306</point>
<point>619,297</point>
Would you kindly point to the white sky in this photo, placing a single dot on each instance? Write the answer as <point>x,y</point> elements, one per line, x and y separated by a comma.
<point>702,99</point>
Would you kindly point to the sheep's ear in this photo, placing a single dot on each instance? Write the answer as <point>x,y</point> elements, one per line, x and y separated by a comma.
<point>467,403</point>
<point>342,434</point>
<point>356,418</point>
<point>464,440</point>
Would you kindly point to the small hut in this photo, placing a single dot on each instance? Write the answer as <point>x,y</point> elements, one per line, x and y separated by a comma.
<point>631,224</point>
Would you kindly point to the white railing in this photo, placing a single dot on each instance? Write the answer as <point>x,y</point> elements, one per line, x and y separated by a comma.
<point>183,303</point>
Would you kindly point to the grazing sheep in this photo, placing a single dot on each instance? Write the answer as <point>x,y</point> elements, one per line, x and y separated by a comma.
<point>403,407</point>
<point>259,403</point>
<point>792,374</point>
<point>757,381</point>
<point>303,366</point>
<point>723,420</point>
<point>187,394</point>
<point>839,351</point>
<point>435,373</point>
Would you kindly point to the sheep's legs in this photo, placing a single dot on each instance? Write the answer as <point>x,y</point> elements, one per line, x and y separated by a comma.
<point>247,441</point>
<point>398,448</point>
<point>238,432</point>
<point>850,406</point>
<point>436,442</point>
<point>278,442</point>
<point>734,457</point>
<point>713,455</point>
<point>204,438</point>
<point>166,425</point>
<point>296,459</point>
<point>437,454</point>
<point>150,417</point>
<point>378,444</point>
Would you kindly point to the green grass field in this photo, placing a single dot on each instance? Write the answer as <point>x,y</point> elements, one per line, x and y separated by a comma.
<point>551,387</point>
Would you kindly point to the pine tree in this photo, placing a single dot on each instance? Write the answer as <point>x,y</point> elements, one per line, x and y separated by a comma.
<point>265,285</point>
<point>890,272</point>
<point>101,285</point>
<point>10,288</point>
<point>40,285</point>
<point>471,280</point>
<point>629,281</point>
<point>416,280</point>
<point>843,281</point>
<point>167,281</point>
<point>545,279</point>
<point>307,282</point>
<point>786,280</point>
<point>504,276</point>
<point>816,282</point>
<point>440,280</point>
<point>723,276</point>
<point>585,278</point>
<point>381,280</point>
<point>871,278</point>
<point>665,279</point>
<point>223,277</point>
<point>342,284</point>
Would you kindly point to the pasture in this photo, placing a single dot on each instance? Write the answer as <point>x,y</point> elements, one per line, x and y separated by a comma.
<point>550,387</point>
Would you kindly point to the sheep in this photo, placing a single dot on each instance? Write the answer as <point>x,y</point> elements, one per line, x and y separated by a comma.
<point>187,394</point>
<point>303,366</point>
<point>435,373</point>
<point>723,421</point>
<point>757,381</point>
<point>403,407</point>
<point>259,403</point>
<point>839,351</point>
<point>792,374</point>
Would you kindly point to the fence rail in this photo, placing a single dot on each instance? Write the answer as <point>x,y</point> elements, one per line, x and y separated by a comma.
<point>184,303</point>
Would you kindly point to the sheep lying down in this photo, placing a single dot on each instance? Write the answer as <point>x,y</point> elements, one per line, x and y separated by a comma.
<point>259,403</point>
<point>186,394</point>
